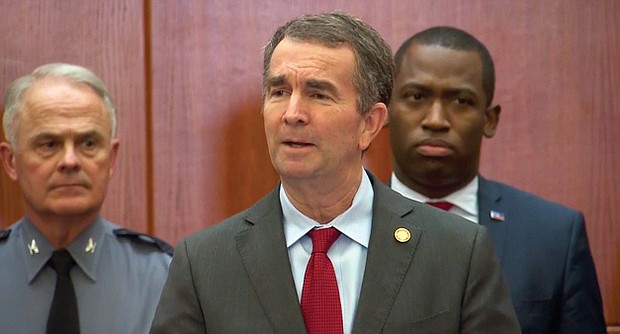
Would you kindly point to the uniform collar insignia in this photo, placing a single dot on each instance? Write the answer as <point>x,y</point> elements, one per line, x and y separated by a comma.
<point>33,248</point>
<point>90,246</point>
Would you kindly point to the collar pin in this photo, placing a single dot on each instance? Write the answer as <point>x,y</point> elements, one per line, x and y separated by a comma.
<point>33,248</point>
<point>90,246</point>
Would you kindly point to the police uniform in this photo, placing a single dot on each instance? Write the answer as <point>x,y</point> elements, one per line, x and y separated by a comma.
<point>118,278</point>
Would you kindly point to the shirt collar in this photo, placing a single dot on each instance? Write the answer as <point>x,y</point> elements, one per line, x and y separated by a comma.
<point>465,198</point>
<point>85,249</point>
<point>355,222</point>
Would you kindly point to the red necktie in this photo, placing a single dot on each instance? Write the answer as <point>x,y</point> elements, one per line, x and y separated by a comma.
<point>320,300</point>
<point>446,206</point>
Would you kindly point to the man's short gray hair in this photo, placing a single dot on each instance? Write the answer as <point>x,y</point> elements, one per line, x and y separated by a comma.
<point>13,99</point>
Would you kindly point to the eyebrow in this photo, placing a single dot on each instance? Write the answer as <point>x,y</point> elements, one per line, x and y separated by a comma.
<point>322,85</point>
<point>450,91</point>
<point>317,84</point>
<point>90,134</point>
<point>79,136</point>
<point>275,80</point>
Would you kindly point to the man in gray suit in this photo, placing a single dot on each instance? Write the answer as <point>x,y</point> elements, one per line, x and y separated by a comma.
<point>396,266</point>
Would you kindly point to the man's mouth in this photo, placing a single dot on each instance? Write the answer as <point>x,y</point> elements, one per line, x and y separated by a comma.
<point>435,149</point>
<point>297,144</point>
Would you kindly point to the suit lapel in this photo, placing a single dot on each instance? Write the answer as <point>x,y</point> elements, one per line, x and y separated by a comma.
<point>492,214</point>
<point>388,260</point>
<point>262,248</point>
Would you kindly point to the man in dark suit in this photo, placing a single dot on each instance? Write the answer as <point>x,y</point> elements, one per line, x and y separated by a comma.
<point>440,110</point>
<point>394,266</point>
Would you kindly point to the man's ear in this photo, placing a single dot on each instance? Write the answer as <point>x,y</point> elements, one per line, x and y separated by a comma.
<point>8,160</point>
<point>386,123</point>
<point>114,155</point>
<point>491,120</point>
<point>374,121</point>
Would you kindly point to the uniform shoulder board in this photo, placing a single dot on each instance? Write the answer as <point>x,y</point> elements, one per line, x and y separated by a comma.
<point>133,235</point>
<point>4,234</point>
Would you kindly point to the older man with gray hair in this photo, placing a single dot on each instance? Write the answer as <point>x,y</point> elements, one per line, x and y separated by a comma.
<point>331,250</point>
<point>65,269</point>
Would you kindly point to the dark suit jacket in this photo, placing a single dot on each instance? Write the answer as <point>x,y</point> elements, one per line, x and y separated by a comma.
<point>544,253</point>
<point>235,277</point>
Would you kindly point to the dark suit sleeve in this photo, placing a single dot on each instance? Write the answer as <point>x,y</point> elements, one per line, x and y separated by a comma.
<point>582,310</point>
<point>487,307</point>
<point>179,310</point>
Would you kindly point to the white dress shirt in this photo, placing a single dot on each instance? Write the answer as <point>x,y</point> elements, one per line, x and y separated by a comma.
<point>465,200</point>
<point>348,253</point>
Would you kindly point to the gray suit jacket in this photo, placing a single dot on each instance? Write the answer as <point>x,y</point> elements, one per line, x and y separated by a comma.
<point>235,277</point>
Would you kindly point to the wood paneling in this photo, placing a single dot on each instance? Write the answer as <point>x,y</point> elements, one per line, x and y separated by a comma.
<point>557,74</point>
<point>108,38</point>
<point>557,68</point>
<point>11,202</point>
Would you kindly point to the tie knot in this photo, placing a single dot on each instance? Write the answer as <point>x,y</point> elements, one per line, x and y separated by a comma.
<point>62,261</point>
<point>446,206</point>
<point>322,239</point>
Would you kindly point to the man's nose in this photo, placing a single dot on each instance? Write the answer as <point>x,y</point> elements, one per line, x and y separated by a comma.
<point>436,117</point>
<point>70,160</point>
<point>296,111</point>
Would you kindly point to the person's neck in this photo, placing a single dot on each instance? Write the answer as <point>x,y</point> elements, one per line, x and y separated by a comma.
<point>323,200</point>
<point>436,187</point>
<point>61,230</point>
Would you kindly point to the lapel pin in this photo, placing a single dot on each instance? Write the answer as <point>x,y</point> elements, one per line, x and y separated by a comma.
<point>402,234</point>
<point>90,246</point>
<point>33,248</point>
<point>496,215</point>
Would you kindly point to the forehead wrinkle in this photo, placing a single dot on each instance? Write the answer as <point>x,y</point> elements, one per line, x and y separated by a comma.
<point>45,123</point>
<point>74,133</point>
<point>64,134</point>
<point>310,82</point>
<point>314,63</point>
<point>310,70</point>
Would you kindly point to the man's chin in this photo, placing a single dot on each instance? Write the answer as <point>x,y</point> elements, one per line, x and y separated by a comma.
<point>75,208</point>
<point>433,165</point>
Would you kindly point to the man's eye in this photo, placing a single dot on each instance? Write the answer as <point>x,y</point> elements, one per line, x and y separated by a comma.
<point>90,143</point>
<point>413,95</point>
<point>48,144</point>
<point>319,96</point>
<point>278,92</point>
<point>464,101</point>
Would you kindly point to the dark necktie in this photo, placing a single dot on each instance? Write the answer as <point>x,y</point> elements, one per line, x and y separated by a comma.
<point>320,299</point>
<point>63,317</point>
<point>446,206</point>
